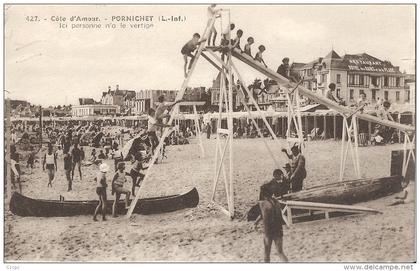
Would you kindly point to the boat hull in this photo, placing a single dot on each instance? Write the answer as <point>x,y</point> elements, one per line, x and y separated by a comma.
<point>347,192</point>
<point>25,206</point>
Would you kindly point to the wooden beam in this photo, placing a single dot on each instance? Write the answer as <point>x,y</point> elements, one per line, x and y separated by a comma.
<point>192,103</point>
<point>316,206</point>
<point>325,127</point>
<point>211,61</point>
<point>335,127</point>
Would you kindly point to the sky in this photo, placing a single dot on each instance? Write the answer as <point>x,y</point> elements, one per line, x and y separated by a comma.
<point>49,66</point>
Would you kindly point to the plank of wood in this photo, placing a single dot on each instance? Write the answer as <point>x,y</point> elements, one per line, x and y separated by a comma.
<point>327,207</point>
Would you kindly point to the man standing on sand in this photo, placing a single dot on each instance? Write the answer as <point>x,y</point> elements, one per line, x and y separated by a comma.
<point>67,168</point>
<point>273,224</point>
<point>298,170</point>
<point>207,123</point>
<point>50,163</point>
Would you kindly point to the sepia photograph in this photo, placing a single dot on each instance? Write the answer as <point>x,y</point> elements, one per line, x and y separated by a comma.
<point>210,133</point>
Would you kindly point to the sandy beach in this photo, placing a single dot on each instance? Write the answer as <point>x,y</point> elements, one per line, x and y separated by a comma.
<point>204,234</point>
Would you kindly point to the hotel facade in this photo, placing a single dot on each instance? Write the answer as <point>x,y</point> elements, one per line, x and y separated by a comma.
<point>354,75</point>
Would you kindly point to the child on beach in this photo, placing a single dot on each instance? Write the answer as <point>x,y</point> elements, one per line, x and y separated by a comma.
<point>258,56</point>
<point>247,48</point>
<point>271,215</point>
<point>77,156</point>
<point>118,187</point>
<point>187,51</point>
<point>50,163</point>
<point>212,11</point>
<point>101,191</point>
<point>135,173</point>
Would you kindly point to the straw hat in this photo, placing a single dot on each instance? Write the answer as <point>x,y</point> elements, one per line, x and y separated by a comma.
<point>103,168</point>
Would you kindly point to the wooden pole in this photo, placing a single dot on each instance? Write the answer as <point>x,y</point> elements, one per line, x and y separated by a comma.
<point>342,157</point>
<point>399,131</point>
<point>315,126</point>
<point>356,145</point>
<point>222,96</point>
<point>198,131</point>
<point>230,127</point>
<point>335,126</point>
<point>231,157</point>
<point>298,121</point>
<point>325,127</point>
<point>40,125</point>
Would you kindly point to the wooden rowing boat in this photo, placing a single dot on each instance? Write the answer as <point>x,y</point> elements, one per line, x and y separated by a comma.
<point>347,192</point>
<point>25,206</point>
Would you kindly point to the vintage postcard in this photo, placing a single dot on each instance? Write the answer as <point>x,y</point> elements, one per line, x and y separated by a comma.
<point>210,133</point>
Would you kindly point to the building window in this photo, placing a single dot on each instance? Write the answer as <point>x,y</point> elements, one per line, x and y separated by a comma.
<point>386,95</point>
<point>373,94</point>
<point>361,91</point>
<point>351,94</point>
<point>322,79</point>
<point>386,81</point>
<point>398,81</point>
<point>397,96</point>
<point>407,96</point>
<point>375,81</point>
<point>351,79</point>
<point>338,92</point>
<point>361,80</point>
<point>338,78</point>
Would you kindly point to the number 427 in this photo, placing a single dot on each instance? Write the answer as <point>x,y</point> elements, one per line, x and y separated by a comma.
<point>32,19</point>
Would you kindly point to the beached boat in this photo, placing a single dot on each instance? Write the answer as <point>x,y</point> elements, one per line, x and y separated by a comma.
<point>25,206</point>
<point>347,192</point>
